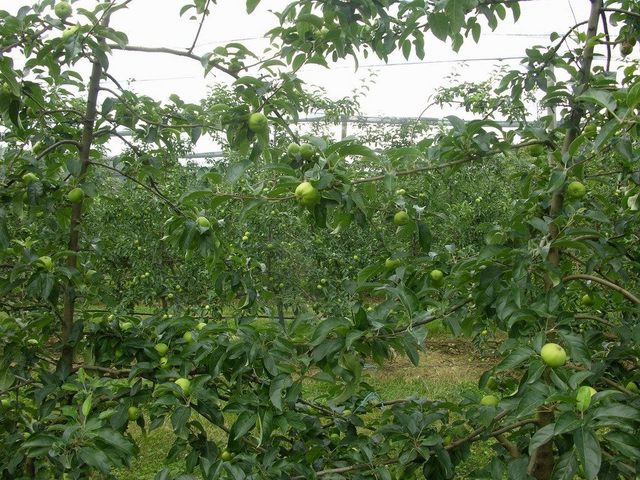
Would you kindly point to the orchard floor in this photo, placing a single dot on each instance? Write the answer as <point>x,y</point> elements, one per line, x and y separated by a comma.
<point>446,368</point>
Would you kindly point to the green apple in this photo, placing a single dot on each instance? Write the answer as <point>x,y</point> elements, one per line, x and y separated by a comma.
<point>187,337</point>
<point>184,384</point>
<point>356,258</point>
<point>536,150</point>
<point>346,412</point>
<point>553,355</point>
<point>401,218</point>
<point>323,281</point>
<point>245,238</point>
<point>29,177</point>
<point>32,341</point>
<point>201,326</point>
<point>437,277</point>
<point>124,326</point>
<point>307,195</point>
<point>390,263</point>
<point>307,151</point>
<point>134,413</point>
<point>162,348</point>
<point>586,300</point>
<point>258,122</point>
<point>226,455</point>
<point>590,130</point>
<point>70,31</point>
<point>632,387</point>
<point>163,362</point>
<point>576,190</point>
<point>293,149</point>
<point>45,262</point>
<point>203,222</point>
<point>489,401</point>
<point>76,195</point>
<point>400,192</point>
<point>63,10</point>
<point>5,403</point>
<point>583,397</point>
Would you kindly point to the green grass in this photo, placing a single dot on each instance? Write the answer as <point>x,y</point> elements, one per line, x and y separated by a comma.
<point>441,375</point>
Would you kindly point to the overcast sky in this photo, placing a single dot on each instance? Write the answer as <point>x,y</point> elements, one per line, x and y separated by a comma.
<point>401,89</point>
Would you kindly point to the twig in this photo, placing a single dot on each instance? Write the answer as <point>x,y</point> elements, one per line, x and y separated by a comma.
<point>580,276</point>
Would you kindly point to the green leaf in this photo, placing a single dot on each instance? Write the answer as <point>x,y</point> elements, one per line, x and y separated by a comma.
<point>251,5</point>
<point>541,437</point>
<point>588,451</point>
<point>244,423</point>
<point>599,97</point>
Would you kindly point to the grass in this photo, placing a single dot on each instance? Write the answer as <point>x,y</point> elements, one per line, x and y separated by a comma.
<point>448,368</point>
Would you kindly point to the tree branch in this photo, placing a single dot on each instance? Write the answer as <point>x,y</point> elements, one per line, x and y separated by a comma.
<point>581,276</point>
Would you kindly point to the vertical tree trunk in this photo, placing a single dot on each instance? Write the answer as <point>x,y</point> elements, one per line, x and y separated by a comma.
<point>543,461</point>
<point>68,316</point>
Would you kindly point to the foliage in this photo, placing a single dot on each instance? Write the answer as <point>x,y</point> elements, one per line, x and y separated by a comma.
<point>245,326</point>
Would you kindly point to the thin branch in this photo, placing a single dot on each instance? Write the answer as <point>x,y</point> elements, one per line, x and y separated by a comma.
<point>620,10</point>
<point>171,51</point>
<point>204,15</point>
<point>580,276</point>
<point>147,120</point>
<point>136,181</point>
<point>605,27</point>
<point>58,144</point>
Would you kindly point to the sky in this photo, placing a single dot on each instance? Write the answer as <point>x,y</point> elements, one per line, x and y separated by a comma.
<point>401,88</point>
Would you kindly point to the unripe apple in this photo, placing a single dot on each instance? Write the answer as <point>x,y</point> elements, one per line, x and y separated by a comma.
<point>29,177</point>
<point>201,325</point>
<point>632,387</point>
<point>400,192</point>
<point>45,262</point>
<point>553,355</point>
<point>162,348</point>
<point>583,397</point>
<point>258,122</point>
<point>226,455</point>
<point>203,222</point>
<point>307,151</point>
<point>293,149</point>
<point>437,277</point>
<point>187,337</point>
<point>124,326</point>
<point>306,194</point>
<point>390,263</point>
<point>489,401</point>
<point>70,31</point>
<point>184,384</point>
<point>63,10</point>
<point>163,362</point>
<point>401,218</point>
<point>76,195</point>
<point>576,190</point>
<point>586,300</point>
<point>134,413</point>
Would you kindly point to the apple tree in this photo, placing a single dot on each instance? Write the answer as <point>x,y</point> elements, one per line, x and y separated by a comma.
<point>556,277</point>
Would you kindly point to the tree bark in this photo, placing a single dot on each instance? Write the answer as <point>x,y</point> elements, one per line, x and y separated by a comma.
<point>68,315</point>
<point>543,460</point>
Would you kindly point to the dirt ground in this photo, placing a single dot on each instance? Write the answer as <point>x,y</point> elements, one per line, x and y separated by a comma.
<point>444,358</point>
